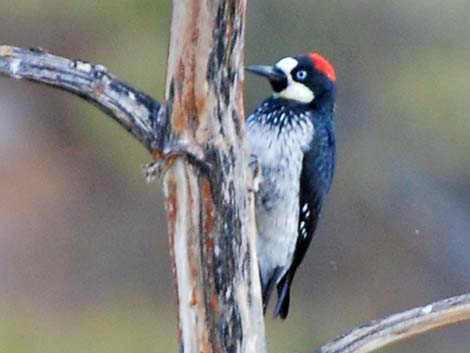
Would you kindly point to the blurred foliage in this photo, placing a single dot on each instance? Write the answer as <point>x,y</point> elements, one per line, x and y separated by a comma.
<point>83,248</point>
<point>109,328</point>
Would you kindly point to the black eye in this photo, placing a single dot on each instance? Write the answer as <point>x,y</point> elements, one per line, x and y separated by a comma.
<point>301,75</point>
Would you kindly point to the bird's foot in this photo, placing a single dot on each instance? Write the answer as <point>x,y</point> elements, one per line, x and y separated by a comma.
<point>256,176</point>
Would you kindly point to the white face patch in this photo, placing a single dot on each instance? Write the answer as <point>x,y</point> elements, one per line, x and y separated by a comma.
<point>294,90</point>
<point>287,65</point>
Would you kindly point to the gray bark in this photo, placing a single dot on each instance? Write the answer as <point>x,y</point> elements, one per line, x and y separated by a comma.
<point>137,112</point>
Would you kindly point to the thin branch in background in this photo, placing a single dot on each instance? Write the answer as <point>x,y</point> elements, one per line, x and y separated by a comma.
<point>378,334</point>
<point>137,112</point>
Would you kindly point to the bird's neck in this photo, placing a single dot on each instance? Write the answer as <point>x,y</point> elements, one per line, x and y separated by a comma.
<point>324,103</point>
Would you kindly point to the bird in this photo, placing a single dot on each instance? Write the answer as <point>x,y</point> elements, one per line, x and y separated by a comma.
<point>291,137</point>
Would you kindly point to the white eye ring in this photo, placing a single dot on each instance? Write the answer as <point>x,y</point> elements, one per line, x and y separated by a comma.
<point>301,75</point>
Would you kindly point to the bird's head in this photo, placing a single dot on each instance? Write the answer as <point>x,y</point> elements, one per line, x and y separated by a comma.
<point>301,78</point>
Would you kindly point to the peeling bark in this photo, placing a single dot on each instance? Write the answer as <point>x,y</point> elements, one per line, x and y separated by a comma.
<point>210,213</point>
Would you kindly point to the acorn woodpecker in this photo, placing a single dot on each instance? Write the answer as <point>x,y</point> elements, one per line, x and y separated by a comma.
<point>292,142</point>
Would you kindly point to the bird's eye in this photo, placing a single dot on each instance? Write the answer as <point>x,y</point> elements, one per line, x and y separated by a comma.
<point>301,75</point>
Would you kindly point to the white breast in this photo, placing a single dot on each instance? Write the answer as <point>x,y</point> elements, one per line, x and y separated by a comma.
<point>280,158</point>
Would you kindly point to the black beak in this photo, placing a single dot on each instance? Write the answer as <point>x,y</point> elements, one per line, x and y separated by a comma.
<point>274,75</point>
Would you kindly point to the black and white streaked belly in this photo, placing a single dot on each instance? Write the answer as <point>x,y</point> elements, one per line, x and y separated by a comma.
<point>278,140</point>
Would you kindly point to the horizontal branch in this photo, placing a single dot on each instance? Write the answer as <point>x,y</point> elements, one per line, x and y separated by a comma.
<point>137,112</point>
<point>378,334</point>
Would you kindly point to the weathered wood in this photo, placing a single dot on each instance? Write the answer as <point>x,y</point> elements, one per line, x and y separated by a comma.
<point>137,112</point>
<point>210,214</point>
<point>211,218</point>
<point>378,334</point>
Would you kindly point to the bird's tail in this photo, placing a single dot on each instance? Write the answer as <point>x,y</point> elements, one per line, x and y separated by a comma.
<point>268,286</point>
<point>283,296</point>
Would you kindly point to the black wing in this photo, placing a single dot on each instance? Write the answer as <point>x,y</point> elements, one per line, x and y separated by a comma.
<point>315,180</point>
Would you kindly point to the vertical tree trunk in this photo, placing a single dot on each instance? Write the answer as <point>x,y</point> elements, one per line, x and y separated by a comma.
<point>210,212</point>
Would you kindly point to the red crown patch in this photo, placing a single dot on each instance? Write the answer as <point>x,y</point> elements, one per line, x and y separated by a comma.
<point>323,65</point>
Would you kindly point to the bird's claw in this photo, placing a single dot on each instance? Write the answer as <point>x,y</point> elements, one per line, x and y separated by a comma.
<point>256,176</point>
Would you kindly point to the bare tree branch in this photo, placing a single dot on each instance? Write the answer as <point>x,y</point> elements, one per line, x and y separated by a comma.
<point>137,112</point>
<point>378,334</point>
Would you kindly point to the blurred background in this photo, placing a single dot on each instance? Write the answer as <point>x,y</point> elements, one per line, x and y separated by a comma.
<point>84,263</point>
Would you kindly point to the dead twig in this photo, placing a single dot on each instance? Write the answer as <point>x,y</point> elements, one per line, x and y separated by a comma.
<point>397,327</point>
<point>137,112</point>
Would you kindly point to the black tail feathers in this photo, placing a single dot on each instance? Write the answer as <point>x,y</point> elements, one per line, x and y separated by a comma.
<point>283,297</point>
<point>268,286</point>
<point>283,287</point>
